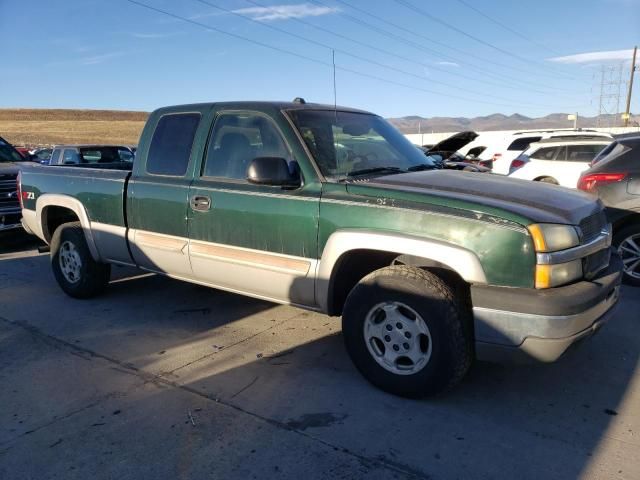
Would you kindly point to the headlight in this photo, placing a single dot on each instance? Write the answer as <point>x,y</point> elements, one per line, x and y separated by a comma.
<point>550,237</point>
<point>549,276</point>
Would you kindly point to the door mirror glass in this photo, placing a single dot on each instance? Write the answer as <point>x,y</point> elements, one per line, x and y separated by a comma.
<point>274,171</point>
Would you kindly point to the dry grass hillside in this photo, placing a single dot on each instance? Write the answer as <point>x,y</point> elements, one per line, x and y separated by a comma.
<point>55,126</point>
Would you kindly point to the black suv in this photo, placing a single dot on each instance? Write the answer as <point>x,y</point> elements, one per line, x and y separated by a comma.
<point>10,160</point>
<point>615,178</point>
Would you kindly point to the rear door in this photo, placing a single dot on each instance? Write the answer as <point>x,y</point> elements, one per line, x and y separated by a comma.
<point>255,239</point>
<point>575,160</point>
<point>158,192</point>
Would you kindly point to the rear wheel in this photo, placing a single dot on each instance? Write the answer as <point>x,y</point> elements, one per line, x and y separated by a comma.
<point>406,331</point>
<point>627,242</point>
<point>77,273</point>
<point>550,180</point>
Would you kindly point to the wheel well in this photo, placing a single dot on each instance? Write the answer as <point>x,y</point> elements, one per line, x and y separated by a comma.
<point>53,217</point>
<point>353,266</point>
<point>539,179</point>
<point>626,221</point>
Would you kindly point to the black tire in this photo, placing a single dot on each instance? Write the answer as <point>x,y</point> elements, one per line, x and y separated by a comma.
<point>93,276</point>
<point>550,180</point>
<point>618,238</point>
<point>446,316</point>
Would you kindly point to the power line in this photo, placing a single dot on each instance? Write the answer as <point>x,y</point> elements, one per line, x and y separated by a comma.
<point>347,53</point>
<point>393,54</point>
<point>310,59</point>
<point>421,47</point>
<point>507,27</point>
<point>435,19</point>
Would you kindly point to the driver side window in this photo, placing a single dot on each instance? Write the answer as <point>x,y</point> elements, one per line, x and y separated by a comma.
<point>237,139</point>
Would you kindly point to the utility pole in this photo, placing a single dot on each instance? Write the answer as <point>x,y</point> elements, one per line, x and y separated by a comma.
<point>633,69</point>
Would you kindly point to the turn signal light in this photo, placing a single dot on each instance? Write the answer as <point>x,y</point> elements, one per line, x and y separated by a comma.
<point>592,181</point>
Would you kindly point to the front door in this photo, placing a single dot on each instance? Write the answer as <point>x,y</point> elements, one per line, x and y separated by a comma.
<point>259,240</point>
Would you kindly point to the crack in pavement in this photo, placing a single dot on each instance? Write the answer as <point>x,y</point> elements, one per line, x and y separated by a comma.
<point>378,461</point>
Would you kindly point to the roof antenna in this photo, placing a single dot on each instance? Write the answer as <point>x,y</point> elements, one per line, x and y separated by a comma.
<point>335,101</point>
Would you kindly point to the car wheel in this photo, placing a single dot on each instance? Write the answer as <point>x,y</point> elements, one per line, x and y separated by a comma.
<point>406,331</point>
<point>627,242</point>
<point>551,180</point>
<point>77,273</point>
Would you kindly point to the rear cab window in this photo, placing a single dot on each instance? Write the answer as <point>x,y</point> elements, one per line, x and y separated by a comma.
<point>546,153</point>
<point>171,144</point>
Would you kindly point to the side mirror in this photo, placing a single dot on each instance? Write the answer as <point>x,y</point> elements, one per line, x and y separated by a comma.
<point>273,171</point>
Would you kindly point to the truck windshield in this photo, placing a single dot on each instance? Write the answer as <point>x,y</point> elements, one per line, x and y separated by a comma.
<point>8,153</point>
<point>346,145</point>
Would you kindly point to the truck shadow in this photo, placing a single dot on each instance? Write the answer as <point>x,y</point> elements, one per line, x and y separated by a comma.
<point>290,367</point>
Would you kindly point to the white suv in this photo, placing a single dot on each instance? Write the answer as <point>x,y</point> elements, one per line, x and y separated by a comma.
<point>513,145</point>
<point>557,160</point>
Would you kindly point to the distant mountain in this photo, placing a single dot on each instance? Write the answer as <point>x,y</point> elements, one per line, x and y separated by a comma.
<point>496,121</point>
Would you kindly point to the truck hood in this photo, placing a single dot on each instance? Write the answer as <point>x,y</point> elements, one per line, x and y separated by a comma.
<point>536,201</point>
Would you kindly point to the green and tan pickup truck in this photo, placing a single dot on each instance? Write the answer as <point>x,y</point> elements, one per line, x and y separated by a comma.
<point>333,210</point>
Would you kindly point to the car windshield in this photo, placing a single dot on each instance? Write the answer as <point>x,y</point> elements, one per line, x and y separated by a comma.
<point>8,153</point>
<point>347,145</point>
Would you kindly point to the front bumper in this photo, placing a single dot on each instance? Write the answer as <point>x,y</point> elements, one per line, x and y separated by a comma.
<point>514,324</point>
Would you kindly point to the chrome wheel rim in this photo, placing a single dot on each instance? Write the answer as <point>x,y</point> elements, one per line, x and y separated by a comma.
<point>70,262</point>
<point>629,250</point>
<point>397,338</point>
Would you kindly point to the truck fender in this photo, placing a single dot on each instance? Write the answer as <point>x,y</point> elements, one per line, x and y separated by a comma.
<point>464,262</point>
<point>73,204</point>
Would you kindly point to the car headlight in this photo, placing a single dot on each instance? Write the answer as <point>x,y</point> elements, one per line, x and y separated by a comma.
<point>550,237</point>
<point>549,276</point>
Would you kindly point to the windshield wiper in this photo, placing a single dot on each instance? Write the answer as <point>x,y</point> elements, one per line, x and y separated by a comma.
<point>366,171</point>
<point>422,166</point>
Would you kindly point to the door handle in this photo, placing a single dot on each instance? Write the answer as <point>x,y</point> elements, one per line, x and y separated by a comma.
<point>201,203</point>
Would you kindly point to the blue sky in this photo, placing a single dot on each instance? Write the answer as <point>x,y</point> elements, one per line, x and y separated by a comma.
<point>393,57</point>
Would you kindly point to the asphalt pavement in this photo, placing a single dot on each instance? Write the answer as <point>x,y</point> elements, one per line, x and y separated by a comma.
<point>163,379</point>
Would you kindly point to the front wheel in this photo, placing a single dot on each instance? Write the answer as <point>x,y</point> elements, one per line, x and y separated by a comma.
<point>77,273</point>
<point>406,331</point>
<point>627,242</point>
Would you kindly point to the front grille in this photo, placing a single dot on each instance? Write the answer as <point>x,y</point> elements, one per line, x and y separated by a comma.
<point>8,193</point>
<point>592,226</point>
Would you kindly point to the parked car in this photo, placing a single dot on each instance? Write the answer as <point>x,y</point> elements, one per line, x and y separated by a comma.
<point>445,154</point>
<point>92,156</point>
<point>558,160</point>
<point>41,155</point>
<point>615,178</point>
<point>429,268</point>
<point>502,154</point>
<point>10,163</point>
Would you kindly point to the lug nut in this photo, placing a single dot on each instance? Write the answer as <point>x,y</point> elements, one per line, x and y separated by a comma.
<point>407,334</point>
<point>389,328</point>
<point>406,346</point>
<point>387,338</point>
<point>399,326</point>
<point>396,348</point>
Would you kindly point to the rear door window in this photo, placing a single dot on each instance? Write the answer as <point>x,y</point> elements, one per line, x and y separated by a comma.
<point>521,144</point>
<point>547,153</point>
<point>171,144</point>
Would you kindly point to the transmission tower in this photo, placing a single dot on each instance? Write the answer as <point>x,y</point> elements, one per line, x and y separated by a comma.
<point>611,86</point>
